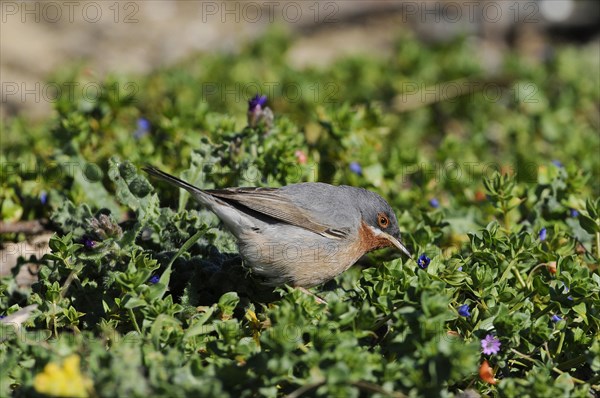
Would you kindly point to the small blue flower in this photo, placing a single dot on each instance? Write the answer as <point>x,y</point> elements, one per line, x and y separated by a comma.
<point>543,234</point>
<point>2,316</point>
<point>460,268</point>
<point>356,168</point>
<point>257,102</point>
<point>143,128</point>
<point>423,261</point>
<point>154,279</point>
<point>555,318</point>
<point>463,310</point>
<point>143,124</point>
<point>434,203</point>
<point>43,197</point>
<point>89,243</point>
<point>557,163</point>
<point>574,213</point>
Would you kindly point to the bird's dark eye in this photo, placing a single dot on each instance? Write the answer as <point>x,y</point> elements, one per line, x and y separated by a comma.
<point>383,220</point>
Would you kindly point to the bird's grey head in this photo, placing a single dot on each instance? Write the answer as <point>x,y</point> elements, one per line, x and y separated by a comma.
<point>379,216</point>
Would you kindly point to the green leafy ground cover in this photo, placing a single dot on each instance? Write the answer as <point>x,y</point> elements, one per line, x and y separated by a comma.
<point>143,294</point>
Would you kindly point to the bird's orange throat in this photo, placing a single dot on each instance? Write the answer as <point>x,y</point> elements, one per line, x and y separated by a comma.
<point>369,241</point>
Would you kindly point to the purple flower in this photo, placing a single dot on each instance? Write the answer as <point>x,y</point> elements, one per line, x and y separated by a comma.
<point>356,168</point>
<point>43,197</point>
<point>89,243</point>
<point>460,268</point>
<point>543,234</point>
<point>490,345</point>
<point>557,163</point>
<point>555,318</point>
<point>256,103</point>
<point>2,316</point>
<point>574,213</point>
<point>154,279</point>
<point>463,310</point>
<point>434,203</point>
<point>423,261</point>
<point>259,113</point>
<point>143,128</point>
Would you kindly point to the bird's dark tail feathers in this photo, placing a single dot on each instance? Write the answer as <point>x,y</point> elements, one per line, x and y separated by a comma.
<point>171,179</point>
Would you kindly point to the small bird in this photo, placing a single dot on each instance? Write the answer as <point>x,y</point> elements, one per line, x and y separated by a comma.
<point>301,234</point>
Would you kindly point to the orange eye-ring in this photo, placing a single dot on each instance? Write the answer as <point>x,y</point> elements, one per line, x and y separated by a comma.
<point>383,220</point>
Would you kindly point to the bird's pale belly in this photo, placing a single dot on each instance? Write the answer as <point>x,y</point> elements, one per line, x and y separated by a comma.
<point>292,255</point>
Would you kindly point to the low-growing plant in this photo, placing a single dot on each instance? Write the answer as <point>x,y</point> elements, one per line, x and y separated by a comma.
<point>143,294</point>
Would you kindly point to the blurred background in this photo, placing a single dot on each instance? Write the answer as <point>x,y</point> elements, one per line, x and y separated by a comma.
<point>37,38</point>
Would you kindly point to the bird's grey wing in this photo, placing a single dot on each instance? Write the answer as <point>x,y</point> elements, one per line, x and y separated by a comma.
<point>267,201</point>
<point>270,202</point>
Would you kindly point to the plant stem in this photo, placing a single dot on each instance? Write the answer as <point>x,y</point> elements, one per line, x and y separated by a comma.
<point>572,362</point>
<point>306,388</point>
<point>54,327</point>
<point>135,324</point>
<point>511,267</point>
<point>518,275</point>
<point>505,216</point>
<point>560,343</point>
<point>547,309</point>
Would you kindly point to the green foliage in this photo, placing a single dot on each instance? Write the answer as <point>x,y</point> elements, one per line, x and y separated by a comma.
<point>155,301</point>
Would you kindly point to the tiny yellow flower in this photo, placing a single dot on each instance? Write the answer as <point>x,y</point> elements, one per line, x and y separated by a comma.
<point>251,316</point>
<point>255,324</point>
<point>63,381</point>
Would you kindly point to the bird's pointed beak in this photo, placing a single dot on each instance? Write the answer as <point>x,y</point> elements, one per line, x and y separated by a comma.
<point>396,243</point>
